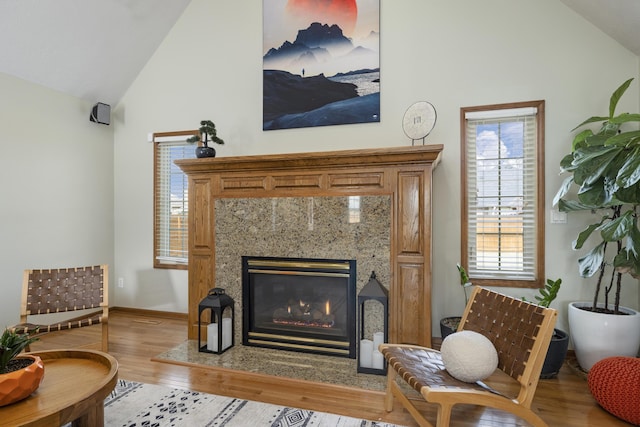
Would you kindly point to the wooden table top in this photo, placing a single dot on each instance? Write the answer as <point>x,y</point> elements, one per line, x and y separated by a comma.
<point>74,380</point>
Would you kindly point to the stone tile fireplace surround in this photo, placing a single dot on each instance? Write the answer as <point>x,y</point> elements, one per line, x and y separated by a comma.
<point>231,198</point>
<point>302,227</point>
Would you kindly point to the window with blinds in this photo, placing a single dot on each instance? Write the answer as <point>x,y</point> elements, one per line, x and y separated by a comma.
<point>503,194</point>
<point>171,205</point>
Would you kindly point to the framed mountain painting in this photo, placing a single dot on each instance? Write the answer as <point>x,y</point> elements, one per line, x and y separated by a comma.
<point>321,63</point>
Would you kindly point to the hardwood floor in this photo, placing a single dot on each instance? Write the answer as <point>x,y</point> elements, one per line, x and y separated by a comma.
<point>135,337</point>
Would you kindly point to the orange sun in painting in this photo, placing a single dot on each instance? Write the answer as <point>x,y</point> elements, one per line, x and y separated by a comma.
<point>340,12</point>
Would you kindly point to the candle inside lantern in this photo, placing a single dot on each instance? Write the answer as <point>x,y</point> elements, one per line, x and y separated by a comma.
<point>212,337</point>
<point>377,360</point>
<point>366,353</point>
<point>226,332</point>
<point>378,338</point>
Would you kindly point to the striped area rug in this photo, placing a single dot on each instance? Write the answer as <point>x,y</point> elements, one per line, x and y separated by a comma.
<point>133,404</point>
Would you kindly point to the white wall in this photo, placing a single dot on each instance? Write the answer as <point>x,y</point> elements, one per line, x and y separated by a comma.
<point>453,54</point>
<point>57,187</point>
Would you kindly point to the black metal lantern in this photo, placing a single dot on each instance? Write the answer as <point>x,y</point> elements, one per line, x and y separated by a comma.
<point>220,330</point>
<point>370,360</point>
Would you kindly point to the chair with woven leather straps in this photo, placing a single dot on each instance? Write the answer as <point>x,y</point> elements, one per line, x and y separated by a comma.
<point>65,298</point>
<point>519,331</point>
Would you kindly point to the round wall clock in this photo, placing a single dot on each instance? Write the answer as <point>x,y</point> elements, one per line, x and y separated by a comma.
<point>419,120</point>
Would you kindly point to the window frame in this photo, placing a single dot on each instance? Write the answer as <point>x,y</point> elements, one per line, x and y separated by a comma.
<point>157,263</point>
<point>539,215</point>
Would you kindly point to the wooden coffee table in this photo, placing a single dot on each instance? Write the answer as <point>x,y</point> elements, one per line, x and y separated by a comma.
<point>74,387</point>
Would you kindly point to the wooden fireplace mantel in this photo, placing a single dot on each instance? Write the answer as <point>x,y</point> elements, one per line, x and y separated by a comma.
<point>404,173</point>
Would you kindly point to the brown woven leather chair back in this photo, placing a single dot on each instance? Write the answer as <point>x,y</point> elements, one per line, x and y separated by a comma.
<point>510,324</point>
<point>65,290</point>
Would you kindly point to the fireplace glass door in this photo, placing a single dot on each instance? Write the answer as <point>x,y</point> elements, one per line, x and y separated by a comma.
<point>299,304</point>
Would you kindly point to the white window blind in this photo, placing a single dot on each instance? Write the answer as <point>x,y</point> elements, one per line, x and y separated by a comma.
<point>171,199</point>
<point>502,205</point>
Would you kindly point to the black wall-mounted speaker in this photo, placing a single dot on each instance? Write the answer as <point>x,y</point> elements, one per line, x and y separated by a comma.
<point>101,113</point>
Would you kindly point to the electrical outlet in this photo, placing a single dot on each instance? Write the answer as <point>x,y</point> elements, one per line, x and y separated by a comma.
<point>121,282</point>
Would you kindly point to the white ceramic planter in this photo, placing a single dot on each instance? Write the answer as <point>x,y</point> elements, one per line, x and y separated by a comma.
<point>596,336</point>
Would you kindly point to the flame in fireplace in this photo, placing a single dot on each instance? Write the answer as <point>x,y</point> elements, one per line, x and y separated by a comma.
<point>305,307</point>
<point>327,307</point>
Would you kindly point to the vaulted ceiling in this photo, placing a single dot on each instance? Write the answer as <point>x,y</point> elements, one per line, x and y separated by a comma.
<point>620,19</point>
<point>91,49</point>
<point>94,49</point>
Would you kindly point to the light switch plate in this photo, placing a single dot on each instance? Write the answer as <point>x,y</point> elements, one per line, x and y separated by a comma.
<point>558,217</point>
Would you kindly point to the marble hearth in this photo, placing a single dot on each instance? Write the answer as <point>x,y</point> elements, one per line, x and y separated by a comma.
<point>287,364</point>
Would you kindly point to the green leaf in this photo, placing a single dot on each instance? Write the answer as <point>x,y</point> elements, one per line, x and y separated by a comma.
<point>598,140</point>
<point>633,239</point>
<point>564,189</point>
<point>464,277</point>
<point>629,173</point>
<point>584,234</point>
<point>625,118</point>
<point>548,293</point>
<point>627,262</point>
<point>588,159</point>
<point>615,97</point>
<point>592,163</point>
<point>592,152</point>
<point>608,129</point>
<point>580,138</point>
<point>566,164</point>
<point>594,195</point>
<point>591,120</point>
<point>629,195</point>
<point>623,139</point>
<point>618,228</point>
<point>572,206</point>
<point>591,262</point>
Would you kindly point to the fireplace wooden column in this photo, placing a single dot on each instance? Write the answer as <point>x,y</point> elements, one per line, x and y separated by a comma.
<point>404,173</point>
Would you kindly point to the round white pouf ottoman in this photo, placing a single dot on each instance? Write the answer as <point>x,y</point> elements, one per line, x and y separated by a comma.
<point>469,356</point>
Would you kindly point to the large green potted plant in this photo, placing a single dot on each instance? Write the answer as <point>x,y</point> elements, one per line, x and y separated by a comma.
<point>19,375</point>
<point>604,178</point>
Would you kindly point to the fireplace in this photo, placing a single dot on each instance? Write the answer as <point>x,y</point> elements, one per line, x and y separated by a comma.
<point>300,304</point>
<point>402,173</point>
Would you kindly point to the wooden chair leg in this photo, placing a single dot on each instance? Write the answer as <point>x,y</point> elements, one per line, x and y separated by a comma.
<point>105,337</point>
<point>531,417</point>
<point>410,407</point>
<point>444,415</point>
<point>388,398</point>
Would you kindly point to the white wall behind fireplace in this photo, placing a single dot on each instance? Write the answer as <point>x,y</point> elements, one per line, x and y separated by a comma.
<point>453,54</point>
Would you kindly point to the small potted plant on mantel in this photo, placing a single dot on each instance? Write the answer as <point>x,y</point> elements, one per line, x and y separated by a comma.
<point>605,168</point>
<point>207,132</point>
<point>19,375</point>
<point>449,325</point>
